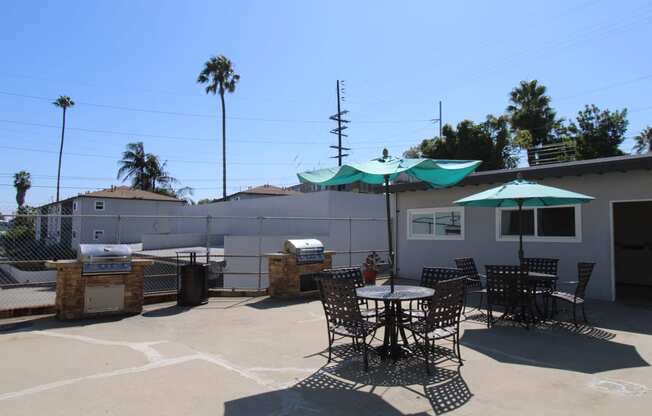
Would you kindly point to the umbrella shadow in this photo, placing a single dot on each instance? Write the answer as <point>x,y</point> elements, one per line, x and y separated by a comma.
<point>583,349</point>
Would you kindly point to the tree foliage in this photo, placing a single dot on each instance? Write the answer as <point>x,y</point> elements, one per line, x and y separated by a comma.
<point>643,141</point>
<point>488,141</point>
<point>22,183</point>
<point>145,170</point>
<point>598,133</point>
<point>530,111</point>
<point>148,173</point>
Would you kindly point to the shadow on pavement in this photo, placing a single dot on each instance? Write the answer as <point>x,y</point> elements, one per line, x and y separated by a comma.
<point>343,387</point>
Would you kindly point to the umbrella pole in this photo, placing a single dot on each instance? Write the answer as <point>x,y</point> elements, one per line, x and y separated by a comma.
<point>390,244</point>
<point>520,229</point>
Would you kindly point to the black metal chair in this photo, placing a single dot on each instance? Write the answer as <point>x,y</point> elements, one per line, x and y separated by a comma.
<point>354,274</point>
<point>430,277</point>
<point>544,286</point>
<point>584,271</point>
<point>510,288</point>
<point>343,317</point>
<point>473,279</point>
<point>442,319</point>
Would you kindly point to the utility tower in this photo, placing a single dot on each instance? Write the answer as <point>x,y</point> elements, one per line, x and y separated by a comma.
<point>341,124</point>
<point>438,120</point>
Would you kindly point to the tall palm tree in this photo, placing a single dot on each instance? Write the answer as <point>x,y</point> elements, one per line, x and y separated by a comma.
<point>643,141</point>
<point>22,182</point>
<point>134,166</point>
<point>530,111</point>
<point>63,102</point>
<point>218,73</point>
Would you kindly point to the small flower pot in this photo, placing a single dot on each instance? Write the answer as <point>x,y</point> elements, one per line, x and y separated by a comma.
<point>369,276</point>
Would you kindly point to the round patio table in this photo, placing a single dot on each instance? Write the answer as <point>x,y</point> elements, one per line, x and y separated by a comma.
<point>391,347</point>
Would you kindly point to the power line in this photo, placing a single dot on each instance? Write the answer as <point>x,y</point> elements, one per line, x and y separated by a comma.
<point>95,178</point>
<point>25,149</point>
<point>212,116</point>
<point>157,136</point>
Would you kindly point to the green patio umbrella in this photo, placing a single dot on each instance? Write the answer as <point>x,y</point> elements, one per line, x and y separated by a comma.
<point>522,193</point>
<point>437,173</point>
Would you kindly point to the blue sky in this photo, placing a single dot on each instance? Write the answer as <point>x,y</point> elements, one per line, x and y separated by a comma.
<point>397,59</point>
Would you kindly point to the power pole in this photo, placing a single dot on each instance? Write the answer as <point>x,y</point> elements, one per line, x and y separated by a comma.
<point>341,126</point>
<point>438,120</point>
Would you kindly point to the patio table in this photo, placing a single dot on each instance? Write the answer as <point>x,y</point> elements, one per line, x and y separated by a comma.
<point>391,347</point>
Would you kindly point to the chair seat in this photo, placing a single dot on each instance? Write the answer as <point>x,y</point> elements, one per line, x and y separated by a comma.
<point>421,326</point>
<point>478,291</point>
<point>370,313</point>
<point>473,282</point>
<point>413,314</point>
<point>359,329</point>
<point>568,297</point>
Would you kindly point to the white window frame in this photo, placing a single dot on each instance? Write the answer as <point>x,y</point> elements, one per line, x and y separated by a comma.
<point>95,236</point>
<point>536,238</point>
<point>103,205</point>
<point>434,235</point>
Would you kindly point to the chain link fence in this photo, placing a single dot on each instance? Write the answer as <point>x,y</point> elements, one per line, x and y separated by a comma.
<point>232,247</point>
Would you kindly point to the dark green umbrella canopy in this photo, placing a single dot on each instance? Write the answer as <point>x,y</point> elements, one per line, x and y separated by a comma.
<point>523,193</point>
<point>437,173</point>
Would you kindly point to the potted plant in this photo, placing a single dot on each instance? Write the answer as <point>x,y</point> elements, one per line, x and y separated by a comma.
<point>370,268</point>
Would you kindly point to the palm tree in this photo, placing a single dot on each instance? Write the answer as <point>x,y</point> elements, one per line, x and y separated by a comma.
<point>643,141</point>
<point>134,165</point>
<point>157,174</point>
<point>62,102</point>
<point>530,111</point>
<point>145,169</point>
<point>218,73</point>
<point>22,182</point>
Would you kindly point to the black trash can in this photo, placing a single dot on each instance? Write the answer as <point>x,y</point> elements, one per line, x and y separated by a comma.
<point>193,283</point>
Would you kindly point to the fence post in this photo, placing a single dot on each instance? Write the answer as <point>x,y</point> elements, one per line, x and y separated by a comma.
<point>260,249</point>
<point>208,239</point>
<point>350,238</point>
<point>119,231</point>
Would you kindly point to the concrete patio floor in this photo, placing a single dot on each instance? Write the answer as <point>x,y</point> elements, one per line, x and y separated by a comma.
<point>264,357</point>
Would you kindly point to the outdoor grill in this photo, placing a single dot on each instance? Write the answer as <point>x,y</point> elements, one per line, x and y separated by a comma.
<point>306,251</point>
<point>105,258</point>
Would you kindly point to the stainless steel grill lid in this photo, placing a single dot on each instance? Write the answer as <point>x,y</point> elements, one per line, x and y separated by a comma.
<point>97,252</point>
<point>307,244</point>
<point>306,251</point>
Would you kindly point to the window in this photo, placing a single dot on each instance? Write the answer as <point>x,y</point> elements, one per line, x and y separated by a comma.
<point>99,205</point>
<point>74,206</point>
<point>553,224</point>
<point>436,224</point>
<point>98,234</point>
<point>74,234</point>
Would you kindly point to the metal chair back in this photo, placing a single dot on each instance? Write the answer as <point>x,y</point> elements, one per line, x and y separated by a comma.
<point>339,300</point>
<point>584,271</point>
<point>508,285</point>
<point>445,306</point>
<point>431,276</point>
<point>350,273</point>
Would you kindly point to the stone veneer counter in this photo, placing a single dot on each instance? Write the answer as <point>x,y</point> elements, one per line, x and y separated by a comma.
<point>285,274</point>
<point>73,287</point>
